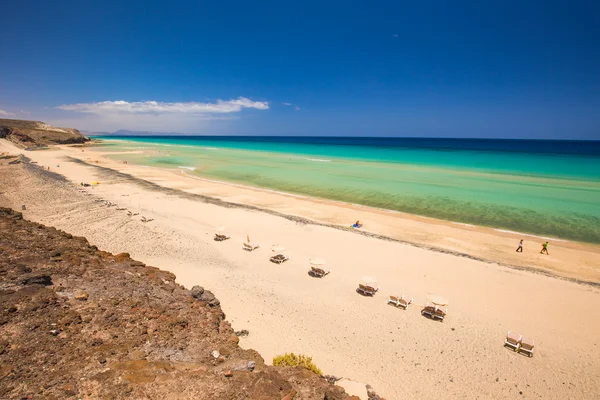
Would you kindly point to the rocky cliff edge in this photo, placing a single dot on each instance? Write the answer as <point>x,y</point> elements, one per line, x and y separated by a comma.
<point>35,133</point>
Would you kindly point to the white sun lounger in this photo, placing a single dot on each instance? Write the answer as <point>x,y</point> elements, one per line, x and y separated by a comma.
<point>250,246</point>
<point>400,301</point>
<point>513,340</point>
<point>526,346</point>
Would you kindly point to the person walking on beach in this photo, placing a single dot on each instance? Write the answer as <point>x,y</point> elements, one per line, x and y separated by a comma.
<point>545,248</point>
<point>520,248</point>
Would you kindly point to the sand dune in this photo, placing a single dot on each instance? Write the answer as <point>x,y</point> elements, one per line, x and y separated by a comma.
<point>400,353</point>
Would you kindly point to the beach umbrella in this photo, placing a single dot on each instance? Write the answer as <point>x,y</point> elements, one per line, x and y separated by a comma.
<point>278,249</point>
<point>438,300</point>
<point>369,279</point>
<point>317,261</point>
<point>220,229</point>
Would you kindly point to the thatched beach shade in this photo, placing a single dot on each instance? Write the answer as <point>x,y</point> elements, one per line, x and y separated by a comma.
<point>317,261</point>
<point>278,249</point>
<point>437,300</point>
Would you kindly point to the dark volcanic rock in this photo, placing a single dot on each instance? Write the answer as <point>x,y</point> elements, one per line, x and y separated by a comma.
<point>37,279</point>
<point>197,291</point>
<point>77,322</point>
<point>209,298</point>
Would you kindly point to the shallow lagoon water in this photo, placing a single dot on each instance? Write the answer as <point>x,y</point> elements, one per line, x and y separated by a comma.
<point>546,188</point>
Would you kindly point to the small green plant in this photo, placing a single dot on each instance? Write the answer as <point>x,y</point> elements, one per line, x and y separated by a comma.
<point>292,360</point>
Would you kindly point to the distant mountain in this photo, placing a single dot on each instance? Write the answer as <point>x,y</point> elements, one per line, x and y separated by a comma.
<point>36,133</point>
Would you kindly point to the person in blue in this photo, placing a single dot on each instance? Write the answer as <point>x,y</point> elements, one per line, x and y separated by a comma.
<point>357,224</point>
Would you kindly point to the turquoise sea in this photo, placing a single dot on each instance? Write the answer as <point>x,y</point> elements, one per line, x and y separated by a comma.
<point>549,188</point>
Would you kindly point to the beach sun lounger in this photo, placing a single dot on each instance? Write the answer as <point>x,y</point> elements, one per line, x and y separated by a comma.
<point>400,301</point>
<point>434,311</point>
<point>279,258</point>
<point>318,272</point>
<point>513,340</point>
<point>368,289</point>
<point>429,310</point>
<point>440,313</point>
<point>526,346</point>
<point>250,246</point>
<point>219,237</point>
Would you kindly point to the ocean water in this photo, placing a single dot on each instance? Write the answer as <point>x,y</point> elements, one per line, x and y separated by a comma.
<point>548,188</point>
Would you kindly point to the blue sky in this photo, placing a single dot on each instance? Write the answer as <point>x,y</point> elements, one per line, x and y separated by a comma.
<point>513,69</point>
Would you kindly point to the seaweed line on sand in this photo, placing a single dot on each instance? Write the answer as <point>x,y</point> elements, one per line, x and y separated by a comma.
<point>116,176</point>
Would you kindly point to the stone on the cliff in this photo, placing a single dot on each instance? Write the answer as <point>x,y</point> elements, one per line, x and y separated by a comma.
<point>332,378</point>
<point>207,296</point>
<point>23,207</point>
<point>210,298</point>
<point>233,337</point>
<point>243,332</point>
<point>137,264</point>
<point>38,279</point>
<point>251,366</point>
<point>215,353</point>
<point>82,296</point>
<point>371,394</point>
<point>122,257</point>
<point>197,291</point>
<point>228,373</point>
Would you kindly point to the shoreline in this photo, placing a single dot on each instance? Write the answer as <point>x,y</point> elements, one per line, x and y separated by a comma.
<point>112,173</point>
<point>490,244</point>
<point>345,203</point>
<point>364,206</point>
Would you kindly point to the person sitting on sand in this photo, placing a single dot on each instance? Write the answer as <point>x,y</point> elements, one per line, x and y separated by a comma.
<point>357,224</point>
<point>520,248</point>
<point>545,248</point>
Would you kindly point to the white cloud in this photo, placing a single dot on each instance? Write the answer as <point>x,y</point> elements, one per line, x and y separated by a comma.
<point>157,108</point>
<point>292,105</point>
<point>6,114</point>
<point>155,116</point>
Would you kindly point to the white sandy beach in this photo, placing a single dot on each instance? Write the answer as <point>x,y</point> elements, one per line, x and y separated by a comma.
<point>400,353</point>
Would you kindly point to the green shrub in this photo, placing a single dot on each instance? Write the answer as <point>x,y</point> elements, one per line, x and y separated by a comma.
<point>292,360</point>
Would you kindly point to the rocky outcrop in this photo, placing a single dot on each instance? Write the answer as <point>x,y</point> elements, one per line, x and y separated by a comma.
<point>78,322</point>
<point>36,134</point>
